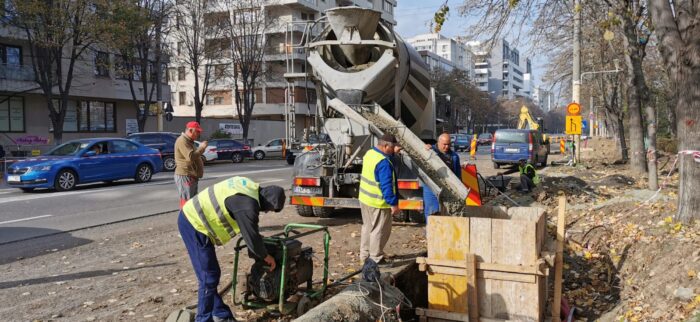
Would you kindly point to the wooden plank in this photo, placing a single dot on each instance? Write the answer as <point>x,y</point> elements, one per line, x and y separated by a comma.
<point>472,293</point>
<point>559,260</point>
<point>480,246</point>
<point>504,276</point>
<point>448,292</point>
<point>445,315</point>
<point>530,269</point>
<point>448,239</point>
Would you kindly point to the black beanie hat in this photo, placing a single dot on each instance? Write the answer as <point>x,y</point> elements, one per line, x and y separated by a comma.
<point>272,198</point>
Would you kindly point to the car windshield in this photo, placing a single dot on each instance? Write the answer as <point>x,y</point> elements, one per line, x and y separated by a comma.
<point>70,148</point>
<point>512,137</point>
<point>485,136</point>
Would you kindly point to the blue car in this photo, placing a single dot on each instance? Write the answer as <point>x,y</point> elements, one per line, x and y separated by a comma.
<point>461,142</point>
<point>511,145</point>
<point>84,161</point>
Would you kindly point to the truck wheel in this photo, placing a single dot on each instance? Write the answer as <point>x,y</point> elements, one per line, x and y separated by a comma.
<point>402,216</point>
<point>305,211</point>
<point>323,212</point>
<point>416,217</point>
<point>496,165</point>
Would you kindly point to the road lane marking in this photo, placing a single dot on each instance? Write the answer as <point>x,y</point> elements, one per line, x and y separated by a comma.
<point>168,181</point>
<point>23,219</point>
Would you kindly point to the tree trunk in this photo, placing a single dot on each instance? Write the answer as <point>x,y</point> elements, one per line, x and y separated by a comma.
<point>671,113</point>
<point>621,136</point>
<point>651,154</point>
<point>688,112</point>
<point>636,89</point>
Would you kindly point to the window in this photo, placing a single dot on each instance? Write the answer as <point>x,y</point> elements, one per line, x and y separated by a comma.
<point>101,64</point>
<point>180,47</point>
<point>121,146</point>
<point>10,55</point>
<point>122,68</point>
<point>9,9</point>
<point>182,98</point>
<point>70,122</point>
<point>181,73</point>
<point>97,116</point>
<point>11,114</point>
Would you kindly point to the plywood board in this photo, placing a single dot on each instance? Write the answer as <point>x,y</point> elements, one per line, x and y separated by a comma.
<point>448,239</point>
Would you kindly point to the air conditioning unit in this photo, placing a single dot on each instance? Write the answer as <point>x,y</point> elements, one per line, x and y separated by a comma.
<point>190,103</point>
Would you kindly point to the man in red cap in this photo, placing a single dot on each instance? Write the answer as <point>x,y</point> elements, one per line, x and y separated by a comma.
<point>189,167</point>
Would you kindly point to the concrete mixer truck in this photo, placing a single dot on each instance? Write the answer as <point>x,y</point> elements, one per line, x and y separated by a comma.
<point>358,62</point>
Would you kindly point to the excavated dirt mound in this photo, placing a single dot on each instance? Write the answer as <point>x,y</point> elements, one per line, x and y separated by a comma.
<point>615,180</point>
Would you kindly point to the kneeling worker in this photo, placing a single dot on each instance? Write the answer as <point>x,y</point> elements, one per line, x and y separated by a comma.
<point>215,216</point>
<point>528,176</point>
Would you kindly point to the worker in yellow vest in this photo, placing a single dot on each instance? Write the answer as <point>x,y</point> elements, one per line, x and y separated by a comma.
<point>379,200</point>
<point>528,176</point>
<point>214,217</point>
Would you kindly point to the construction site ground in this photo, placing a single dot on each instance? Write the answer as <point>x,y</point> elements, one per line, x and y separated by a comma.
<point>625,257</point>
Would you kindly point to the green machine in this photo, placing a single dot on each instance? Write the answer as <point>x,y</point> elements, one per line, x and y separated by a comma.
<point>262,289</point>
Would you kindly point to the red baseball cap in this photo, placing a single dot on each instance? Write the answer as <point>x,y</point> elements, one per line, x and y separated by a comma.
<point>194,125</point>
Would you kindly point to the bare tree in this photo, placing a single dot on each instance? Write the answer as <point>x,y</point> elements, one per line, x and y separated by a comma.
<point>677,27</point>
<point>247,32</point>
<point>58,34</point>
<point>138,28</point>
<point>198,31</point>
<point>544,19</point>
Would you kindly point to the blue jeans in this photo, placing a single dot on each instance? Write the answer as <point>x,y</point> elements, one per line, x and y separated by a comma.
<point>431,205</point>
<point>206,267</point>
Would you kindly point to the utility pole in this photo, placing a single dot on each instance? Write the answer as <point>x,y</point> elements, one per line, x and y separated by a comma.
<point>576,89</point>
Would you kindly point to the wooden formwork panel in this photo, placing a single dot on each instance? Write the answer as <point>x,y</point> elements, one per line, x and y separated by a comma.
<point>506,243</point>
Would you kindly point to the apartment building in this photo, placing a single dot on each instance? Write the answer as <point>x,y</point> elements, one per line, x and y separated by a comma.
<point>501,71</point>
<point>100,102</point>
<point>453,50</point>
<point>543,98</point>
<point>269,112</point>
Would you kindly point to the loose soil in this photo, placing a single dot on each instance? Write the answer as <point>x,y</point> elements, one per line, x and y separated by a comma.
<point>140,270</point>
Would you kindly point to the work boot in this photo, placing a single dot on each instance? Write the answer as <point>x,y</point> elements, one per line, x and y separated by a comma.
<point>231,319</point>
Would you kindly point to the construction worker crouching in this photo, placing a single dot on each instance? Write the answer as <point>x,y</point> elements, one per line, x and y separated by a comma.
<point>213,217</point>
<point>528,176</point>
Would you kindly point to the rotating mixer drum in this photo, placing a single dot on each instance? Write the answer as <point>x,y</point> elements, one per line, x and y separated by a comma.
<point>360,60</point>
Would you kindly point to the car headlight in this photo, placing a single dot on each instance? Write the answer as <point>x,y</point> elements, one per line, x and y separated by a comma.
<point>41,168</point>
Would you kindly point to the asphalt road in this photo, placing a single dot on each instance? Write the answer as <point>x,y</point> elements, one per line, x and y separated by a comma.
<point>40,213</point>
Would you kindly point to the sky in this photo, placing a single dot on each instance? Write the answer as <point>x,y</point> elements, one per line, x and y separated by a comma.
<point>413,18</point>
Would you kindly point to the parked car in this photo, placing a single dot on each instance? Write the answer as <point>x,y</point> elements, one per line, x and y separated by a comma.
<point>83,161</point>
<point>162,141</point>
<point>484,139</point>
<point>271,149</point>
<point>209,154</point>
<point>510,146</point>
<point>230,150</point>
<point>460,142</point>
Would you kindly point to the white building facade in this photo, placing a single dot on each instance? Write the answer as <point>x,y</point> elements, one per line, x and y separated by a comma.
<point>501,71</point>
<point>449,49</point>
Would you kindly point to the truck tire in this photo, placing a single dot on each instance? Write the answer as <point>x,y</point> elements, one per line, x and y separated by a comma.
<point>305,211</point>
<point>323,212</point>
<point>496,165</point>
<point>416,216</point>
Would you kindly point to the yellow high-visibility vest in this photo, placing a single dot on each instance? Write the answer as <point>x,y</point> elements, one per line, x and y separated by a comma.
<point>207,211</point>
<point>370,192</point>
<point>536,179</point>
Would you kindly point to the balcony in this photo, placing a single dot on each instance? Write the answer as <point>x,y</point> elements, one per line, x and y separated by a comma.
<point>16,72</point>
